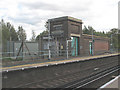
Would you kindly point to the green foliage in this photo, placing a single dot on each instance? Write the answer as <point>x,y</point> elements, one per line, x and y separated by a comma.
<point>90,29</point>
<point>11,59</point>
<point>8,33</point>
<point>37,38</point>
<point>42,34</point>
<point>13,33</point>
<point>85,30</point>
<point>113,35</point>
<point>33,36</point>
<point>21,34</point>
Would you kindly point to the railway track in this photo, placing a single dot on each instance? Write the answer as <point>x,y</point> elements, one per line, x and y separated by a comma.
<point>89,82</point>
<point>61,75</point>
<point>72,80</point>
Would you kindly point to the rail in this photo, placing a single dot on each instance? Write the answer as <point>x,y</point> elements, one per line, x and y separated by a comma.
<point>57,75</point>
<point>92,78</point>
<point>75,75</point>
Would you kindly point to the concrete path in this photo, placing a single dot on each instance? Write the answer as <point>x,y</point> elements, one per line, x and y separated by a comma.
<point>115,83</point>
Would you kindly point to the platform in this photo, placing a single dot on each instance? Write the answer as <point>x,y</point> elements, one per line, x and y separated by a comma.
<point>114,83</point>
<point>35,65</point>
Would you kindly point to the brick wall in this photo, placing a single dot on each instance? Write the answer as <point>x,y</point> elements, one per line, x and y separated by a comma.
<point>101,45</point>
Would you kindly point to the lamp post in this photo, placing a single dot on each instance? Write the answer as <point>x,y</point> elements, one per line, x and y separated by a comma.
<point>67,47</point>
<point>49,40</point>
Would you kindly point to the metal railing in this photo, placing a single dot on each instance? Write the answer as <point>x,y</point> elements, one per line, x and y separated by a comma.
<point>34,55</point>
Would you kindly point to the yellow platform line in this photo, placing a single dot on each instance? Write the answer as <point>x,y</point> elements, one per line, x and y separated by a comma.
<point>53,62</point>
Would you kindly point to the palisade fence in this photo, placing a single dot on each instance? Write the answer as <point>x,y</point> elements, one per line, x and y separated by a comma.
<point>35,55</point>
<point>31,52</point>
<point>15,51</point>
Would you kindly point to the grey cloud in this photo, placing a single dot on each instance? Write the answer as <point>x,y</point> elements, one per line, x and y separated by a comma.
<point>59,7</point>
<point>27,20</point>
<point>39,5</point>
<point>31,17</point>
<point>55,10</point>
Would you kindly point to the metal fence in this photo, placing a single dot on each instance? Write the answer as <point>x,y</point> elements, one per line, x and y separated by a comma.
<point>35,55</point>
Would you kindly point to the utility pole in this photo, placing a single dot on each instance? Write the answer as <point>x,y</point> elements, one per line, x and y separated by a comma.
<point>10,41</point>
<point>22,44</point>
<point>49,40</point>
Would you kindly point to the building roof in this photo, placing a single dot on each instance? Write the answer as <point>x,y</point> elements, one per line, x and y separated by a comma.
<point>95,37</point>
<point>66,18</point>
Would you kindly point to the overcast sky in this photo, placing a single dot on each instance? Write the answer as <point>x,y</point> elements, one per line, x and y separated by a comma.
<point>102,15</point>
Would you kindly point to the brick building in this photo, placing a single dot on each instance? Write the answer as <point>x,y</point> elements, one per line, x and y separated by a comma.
<point>100,44</point>
<point>67,28</point>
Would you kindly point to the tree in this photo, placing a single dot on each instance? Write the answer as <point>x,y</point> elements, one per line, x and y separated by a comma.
<point>88,30</point>
<point>5,35</point>
<point>13,34</point>
<point>33,36</point>
<point>91,30</point>
<point>8,34</point>
<point>85,30</point>
<point>46,25</point>
<point>114,36</point>
<point>21,34</point>
<point>5,32</point>
<point>45,32</point>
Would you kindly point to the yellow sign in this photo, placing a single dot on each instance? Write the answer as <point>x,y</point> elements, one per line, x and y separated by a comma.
<point>61,46</point>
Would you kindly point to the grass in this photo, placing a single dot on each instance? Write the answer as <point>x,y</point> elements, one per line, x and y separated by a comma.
<point>11,59</point>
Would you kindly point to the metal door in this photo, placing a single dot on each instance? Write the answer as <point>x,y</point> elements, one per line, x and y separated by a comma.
<point>74,46</point>
<point>90,45</point>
